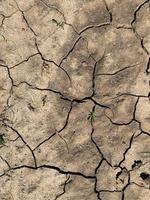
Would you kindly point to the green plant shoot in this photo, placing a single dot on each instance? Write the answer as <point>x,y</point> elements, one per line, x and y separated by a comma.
<point>91,115</point>
<point>2,140</point>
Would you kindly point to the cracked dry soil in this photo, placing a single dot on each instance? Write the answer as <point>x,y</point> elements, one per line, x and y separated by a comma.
<point>74,99</point>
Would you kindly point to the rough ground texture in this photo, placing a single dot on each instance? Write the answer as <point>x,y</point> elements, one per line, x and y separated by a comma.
<point>74,99</point>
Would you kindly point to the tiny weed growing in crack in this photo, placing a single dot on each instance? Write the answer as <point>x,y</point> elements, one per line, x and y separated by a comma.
<point>2,140</point>
<point>91,115</point>
<point>59,24</point>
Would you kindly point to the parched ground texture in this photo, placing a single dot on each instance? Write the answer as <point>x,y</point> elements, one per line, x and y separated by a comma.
<point>74,99</point>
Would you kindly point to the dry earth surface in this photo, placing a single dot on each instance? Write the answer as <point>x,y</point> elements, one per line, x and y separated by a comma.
<point>74,99</point>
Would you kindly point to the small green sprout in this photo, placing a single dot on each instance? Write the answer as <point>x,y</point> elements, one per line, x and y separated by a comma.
<point>59,24</point>
<point>2,140</point>
<point>91,115</point>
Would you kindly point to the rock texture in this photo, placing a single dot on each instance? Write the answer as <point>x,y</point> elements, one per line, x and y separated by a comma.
<point>75,100</point>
